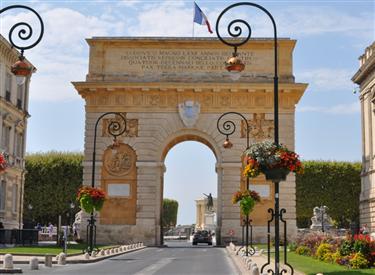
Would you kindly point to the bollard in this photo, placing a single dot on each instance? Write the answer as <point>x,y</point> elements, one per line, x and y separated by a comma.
<point>93,254</point>
<point>87,256</point>
<point>102,252</point>
<point>34,263</point>
<point>116,250</point>
<point>108,251</point>
<point>254,270</point>
<point>62,259</point>
<point>112,250</point>
<point>48,260</point>
<point>8,261</point>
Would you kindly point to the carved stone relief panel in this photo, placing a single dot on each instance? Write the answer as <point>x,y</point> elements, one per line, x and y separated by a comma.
<point>119,161</point>
<point>131,126</point>
<point>259,127</point>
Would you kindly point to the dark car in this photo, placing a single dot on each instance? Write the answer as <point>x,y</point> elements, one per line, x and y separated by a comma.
<point>202,236</point>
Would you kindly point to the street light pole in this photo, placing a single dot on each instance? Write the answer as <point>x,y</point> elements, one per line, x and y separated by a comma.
<point>115,129</point>
<point>227,128</point>
<point>24,32</point>
<point>235,65</point>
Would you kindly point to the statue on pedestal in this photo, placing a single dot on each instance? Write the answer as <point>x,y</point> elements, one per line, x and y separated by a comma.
<point>321,220</point>
<point>210,202</point>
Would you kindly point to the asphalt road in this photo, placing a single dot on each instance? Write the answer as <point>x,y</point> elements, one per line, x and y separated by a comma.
<point>178,258</point>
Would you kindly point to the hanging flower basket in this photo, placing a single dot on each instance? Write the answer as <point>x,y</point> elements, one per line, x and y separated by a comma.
<point>274,161</point>
<point>3,163</point>
<point>91,199</point>
<point>276,174</point>
<point>247,200</point>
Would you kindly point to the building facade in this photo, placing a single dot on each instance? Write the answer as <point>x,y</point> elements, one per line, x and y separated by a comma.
<point>13,125</point>
<point>173,90</point>
<point>365,78</point>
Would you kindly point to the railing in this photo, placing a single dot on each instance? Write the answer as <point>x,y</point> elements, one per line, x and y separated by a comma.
<point>16,236</point>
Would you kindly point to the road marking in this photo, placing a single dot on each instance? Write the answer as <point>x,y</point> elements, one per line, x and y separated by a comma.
<point>155,267</point>
<point>159,250</point>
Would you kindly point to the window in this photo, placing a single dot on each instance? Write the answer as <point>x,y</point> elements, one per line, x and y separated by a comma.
<point>2,195</point>
<point>20,93</point>
<point>8,86</point>
<point>14,197</point>
<point>5,137</point>
<point>18,145</point>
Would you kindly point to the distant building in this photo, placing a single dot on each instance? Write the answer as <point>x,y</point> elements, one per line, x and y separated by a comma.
<point>14,100</point>
<point>365,78</point>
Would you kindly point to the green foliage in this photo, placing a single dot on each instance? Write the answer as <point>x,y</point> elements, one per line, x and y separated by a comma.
<point>292,246</point>
<point>334,184</point>
<point>170,209</point>
<point>358,261</point>
<point>247,204</point>
<point>303,250</point>
<point>51,184</point>
<point>346,248</point>
<point>323,250</point>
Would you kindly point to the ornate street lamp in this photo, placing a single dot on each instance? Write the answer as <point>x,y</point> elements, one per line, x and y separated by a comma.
<point>234,65</point>
<point>22,69</point>
<point>227,128</point>
<point>115,129</point>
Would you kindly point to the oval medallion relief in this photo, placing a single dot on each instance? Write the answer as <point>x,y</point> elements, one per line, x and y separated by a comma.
<point>119,161</point>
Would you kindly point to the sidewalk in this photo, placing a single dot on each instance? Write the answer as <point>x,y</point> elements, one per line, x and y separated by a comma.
<point>259,259</point>
<point>78,259</point>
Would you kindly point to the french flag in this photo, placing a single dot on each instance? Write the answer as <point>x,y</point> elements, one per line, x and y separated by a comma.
<point>200,17</point>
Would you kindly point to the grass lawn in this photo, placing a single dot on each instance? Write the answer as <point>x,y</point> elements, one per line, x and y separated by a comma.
<point>50,249</point>
<point>311,266</point>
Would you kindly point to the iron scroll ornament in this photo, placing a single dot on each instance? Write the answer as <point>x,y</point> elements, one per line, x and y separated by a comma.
<point>25,31</point>
<point>235,30</point>
<point>228,127</point>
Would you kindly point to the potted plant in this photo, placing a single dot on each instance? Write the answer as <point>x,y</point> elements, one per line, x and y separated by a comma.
<point>3,163</point>
<point>274,161</point>
<point>91,198</point>
<point>247,200</point>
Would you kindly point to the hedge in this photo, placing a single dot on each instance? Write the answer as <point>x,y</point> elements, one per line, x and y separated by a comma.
<point>331,183</point>
<point>51,183</point>
<point>170,209</point>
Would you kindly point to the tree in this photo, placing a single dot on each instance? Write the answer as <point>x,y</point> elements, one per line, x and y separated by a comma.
<point>331,183</point>
<point>51,184</point>
<point>170,208</point>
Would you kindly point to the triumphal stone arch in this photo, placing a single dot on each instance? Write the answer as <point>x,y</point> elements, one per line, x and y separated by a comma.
<point>172,90</point>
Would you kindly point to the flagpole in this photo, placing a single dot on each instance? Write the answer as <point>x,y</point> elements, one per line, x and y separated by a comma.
<point>193,16</point>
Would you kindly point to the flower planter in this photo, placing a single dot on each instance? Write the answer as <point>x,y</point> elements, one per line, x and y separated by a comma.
<point>276,174</point>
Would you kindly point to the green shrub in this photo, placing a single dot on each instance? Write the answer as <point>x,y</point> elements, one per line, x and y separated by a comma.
<point>303,250</point>
<point>51,184</point>
<point>336,184</point>
<point>358,261</point>
<point>292,246</point>
<point>346,248</point>
<point>322,252</point>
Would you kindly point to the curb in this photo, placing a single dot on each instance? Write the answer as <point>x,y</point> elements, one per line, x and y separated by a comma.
<point>83,261</point>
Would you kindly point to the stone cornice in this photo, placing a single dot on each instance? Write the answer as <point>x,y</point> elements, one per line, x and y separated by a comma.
<point>365,70</point>
<point>85,88</point>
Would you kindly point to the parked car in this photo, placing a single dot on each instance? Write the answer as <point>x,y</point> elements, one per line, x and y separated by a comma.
<point>202,236</point>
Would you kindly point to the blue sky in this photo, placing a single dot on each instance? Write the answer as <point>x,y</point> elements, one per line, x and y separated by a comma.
<point>330,35</point>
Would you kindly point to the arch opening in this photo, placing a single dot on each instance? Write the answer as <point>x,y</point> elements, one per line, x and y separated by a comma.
<point>190,177</point>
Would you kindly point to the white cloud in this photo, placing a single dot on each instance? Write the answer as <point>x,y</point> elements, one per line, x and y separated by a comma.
<point>340,109</point>
<point>327,79</point>
<point>62,55</point>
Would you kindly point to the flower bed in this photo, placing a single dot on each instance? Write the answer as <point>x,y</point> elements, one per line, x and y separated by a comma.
<point>356,252</point>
